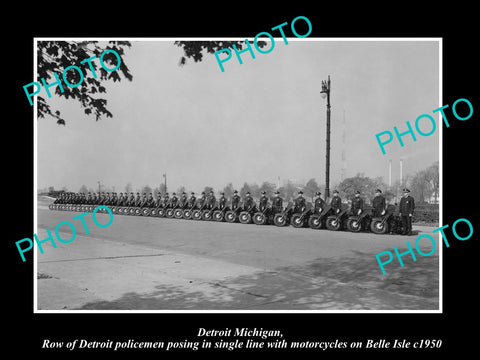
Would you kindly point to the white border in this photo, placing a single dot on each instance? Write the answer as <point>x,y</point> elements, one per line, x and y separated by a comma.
<point>35,144</point>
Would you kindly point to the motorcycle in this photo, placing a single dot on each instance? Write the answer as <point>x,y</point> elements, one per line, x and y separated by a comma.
<point>299,220</point>
<point>231,216</point>
<point>335,222</point>
<point>283,218</point>
<point>219,214</point>
<point>356,223</point>
<point>262,217</point>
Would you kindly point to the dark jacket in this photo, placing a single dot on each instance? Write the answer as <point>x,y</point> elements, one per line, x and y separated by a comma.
<point>357,204</point>
<point>263,203</point>
<point>407,205</point>
<point>336,204</point>
<point>277,204</point>
<point>319,204</point>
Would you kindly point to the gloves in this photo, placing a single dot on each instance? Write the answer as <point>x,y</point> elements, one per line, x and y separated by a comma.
<point>383,212</point>
<point>359,211</point>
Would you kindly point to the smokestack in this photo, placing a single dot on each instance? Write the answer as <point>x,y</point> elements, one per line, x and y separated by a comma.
<point>401,172</point>
<point>390,173</point>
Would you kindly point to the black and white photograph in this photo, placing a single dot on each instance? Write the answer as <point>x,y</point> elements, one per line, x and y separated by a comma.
<point>261,187</point>
<point>212,180</point>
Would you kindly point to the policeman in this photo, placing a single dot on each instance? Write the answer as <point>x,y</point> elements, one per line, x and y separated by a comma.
<point>249,203</point>
<point>407,205</point>
<point>131,200</point>
<point>192,200</point>
<point>357,204</point>
<point>159,203</point>
<point>277,203</point>
<point>318,204</point>
<point>120,200</point>
<point>211,200</point>
<point>138,200</point>
<point>183,200</point>
<point>299,203</point>
<point>101,198</point>
<point>235,200</point>
<point>378,203</point>
<point>150,200</point>
<point>336,203</point>
<point>222,201</point>
<point>143,201</point>
<point>174,201</point>
<point>202,200</point>
<point>114,199</point>
<point>166,201</point>
<point>263,202</point>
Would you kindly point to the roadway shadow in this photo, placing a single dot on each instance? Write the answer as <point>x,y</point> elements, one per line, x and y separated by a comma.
<point>347,283</point>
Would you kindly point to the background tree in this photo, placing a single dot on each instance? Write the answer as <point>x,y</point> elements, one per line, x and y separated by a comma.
<point>228,190</point>
<point>290,191</point>
<point>146,189</point>
<point>180,190</point>
<point>128,188</point>
<point>207,190</point>
<point>425,184</point>
<point>268,187</point>
<point>255,190</point>
<point>310,188</point>
<point>362,183</point>
<point>83,189</point>
<point>245,188</point>
<point>55,56</point>
<point>51,189</point>
<point>195,49</point>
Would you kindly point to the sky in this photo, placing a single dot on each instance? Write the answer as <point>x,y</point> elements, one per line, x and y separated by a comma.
<point>257,121</point>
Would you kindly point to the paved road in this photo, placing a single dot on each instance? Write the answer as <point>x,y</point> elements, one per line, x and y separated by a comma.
<point>142,263</point>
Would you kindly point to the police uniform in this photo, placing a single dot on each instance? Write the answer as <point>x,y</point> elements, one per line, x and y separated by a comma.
<point>299,203</point>
<point>174,200</point>
<point>248,203</point>
<point>183,200</point>
<point>222,201</point>
<point>166,201</point>
<point>131,200</point>
<point>263,203</point>
<point>201,201</point>
<point>379,204</point>
<point>336,203</point>
<point>407,205</point>
<point>211,201</point>
<point>192,200</point>
<point>138,200</point>
<point>277,203</point>
<point>318,204</point>
<point>235,200</point>
<point>158,201</point>
<point>150,200</point>
<point>357,205</point>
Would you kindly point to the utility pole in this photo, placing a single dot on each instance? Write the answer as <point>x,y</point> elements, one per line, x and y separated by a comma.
<point>165,177</point>
<point>325,93</point>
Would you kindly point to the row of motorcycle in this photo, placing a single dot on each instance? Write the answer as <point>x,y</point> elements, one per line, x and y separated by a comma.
<point>325,218</point>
